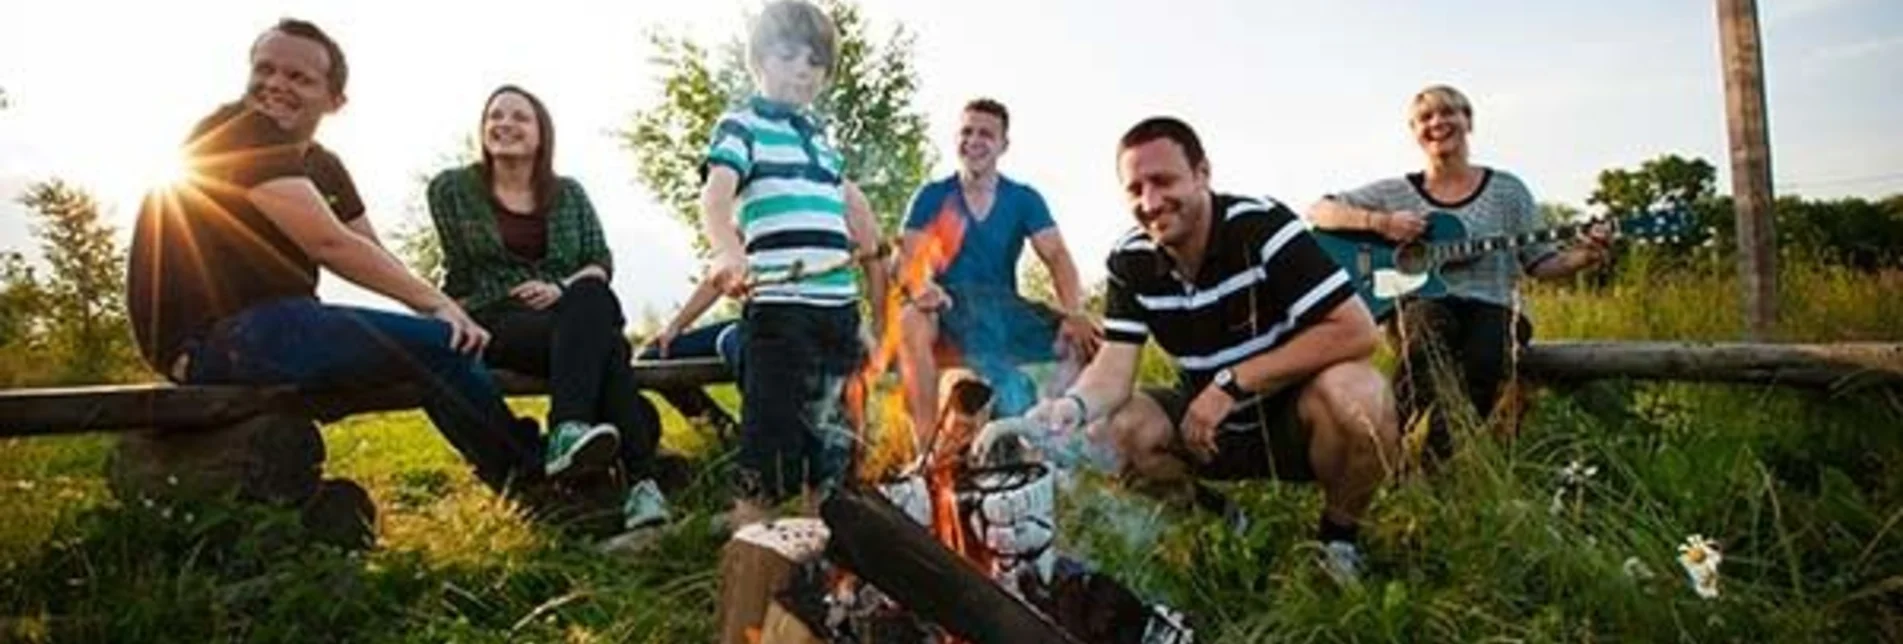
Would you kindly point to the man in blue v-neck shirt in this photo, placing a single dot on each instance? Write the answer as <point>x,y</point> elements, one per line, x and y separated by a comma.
<point>965,306</point>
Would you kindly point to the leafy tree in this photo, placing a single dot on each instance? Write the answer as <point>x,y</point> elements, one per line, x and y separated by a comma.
<point>866,109</point>
<point>1553,213</point>
<point>1856,232</point>
<point>80,299</point>
<point>1667,181</point>
<point>415,240</point>
<point>20,300</point>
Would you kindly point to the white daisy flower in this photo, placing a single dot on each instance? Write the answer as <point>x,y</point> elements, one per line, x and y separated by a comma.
<point>1700,557</point>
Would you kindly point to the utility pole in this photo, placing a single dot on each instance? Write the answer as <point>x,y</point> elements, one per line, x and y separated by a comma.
<point>1742,52</point>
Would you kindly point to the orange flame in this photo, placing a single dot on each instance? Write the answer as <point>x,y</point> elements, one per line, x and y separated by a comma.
<point>889,439</point>
<point>893,443</point>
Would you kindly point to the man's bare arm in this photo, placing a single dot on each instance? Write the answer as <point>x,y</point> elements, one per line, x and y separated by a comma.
<point>361,225</point>
<point>1107,381</point>
<point>1347,333</point>
<point>296,208</point>
<point>1050,248</point>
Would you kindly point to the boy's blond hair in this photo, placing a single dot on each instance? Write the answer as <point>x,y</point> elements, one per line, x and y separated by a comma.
<point>793,22</point>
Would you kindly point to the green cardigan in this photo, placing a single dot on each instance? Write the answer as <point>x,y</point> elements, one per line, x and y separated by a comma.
<point>478,269</point>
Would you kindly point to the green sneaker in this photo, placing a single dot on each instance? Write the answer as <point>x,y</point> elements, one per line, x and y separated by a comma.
<point>577,447</point>
<point>645,506</point>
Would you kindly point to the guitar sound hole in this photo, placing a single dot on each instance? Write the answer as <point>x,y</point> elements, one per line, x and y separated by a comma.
<point>1411,258</point>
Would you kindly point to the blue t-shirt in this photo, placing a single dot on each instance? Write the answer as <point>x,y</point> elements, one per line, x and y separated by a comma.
<point>988,250</point>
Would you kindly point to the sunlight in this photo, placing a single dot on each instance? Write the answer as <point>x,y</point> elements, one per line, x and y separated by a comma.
<point>142,170</point>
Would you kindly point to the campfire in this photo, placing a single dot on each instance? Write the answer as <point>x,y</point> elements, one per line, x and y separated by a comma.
<point>936,541</point>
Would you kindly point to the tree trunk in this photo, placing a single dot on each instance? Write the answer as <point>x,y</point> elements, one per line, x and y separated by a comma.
<point>1741,51</point>
<point>1829,366</point>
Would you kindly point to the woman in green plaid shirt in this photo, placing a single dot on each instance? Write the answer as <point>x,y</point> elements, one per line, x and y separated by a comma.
<point>524,253</point>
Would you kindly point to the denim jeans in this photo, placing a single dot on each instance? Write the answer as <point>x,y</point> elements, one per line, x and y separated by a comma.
<point>712,340</point>
<point>793,426</point>
<point>315,346</point>
<point>994,331</point>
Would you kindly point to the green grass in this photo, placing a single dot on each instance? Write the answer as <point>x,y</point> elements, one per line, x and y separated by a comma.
<point>1803,493</point>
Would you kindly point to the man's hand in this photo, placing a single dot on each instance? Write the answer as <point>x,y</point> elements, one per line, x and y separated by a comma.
<point>464,334</point>
<point>536,294</point>
<point>1058,415</point>
<point>1399,225</point>
<point>729,273</point>
<point>1079,337</point>
<point>931,298</point>
<point>1201,422</point>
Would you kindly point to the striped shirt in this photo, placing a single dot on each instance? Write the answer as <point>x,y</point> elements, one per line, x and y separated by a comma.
<point>791,201</point>
<point>1263,280</point>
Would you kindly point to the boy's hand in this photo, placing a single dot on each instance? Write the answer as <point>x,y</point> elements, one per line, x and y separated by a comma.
<point>663,338</point>
<point>729,273</point>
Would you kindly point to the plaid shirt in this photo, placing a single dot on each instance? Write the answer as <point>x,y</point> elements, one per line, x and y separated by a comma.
<point>478,269</point>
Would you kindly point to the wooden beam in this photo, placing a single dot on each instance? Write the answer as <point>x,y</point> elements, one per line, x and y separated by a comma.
<point>1823,366</point>
<point>1743,59</point>
<point>30,412</point>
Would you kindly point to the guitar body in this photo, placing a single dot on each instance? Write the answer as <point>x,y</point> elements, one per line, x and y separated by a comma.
<point>1382,270</point>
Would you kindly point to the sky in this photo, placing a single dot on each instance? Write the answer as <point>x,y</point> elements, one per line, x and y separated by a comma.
<point>1293,99</point>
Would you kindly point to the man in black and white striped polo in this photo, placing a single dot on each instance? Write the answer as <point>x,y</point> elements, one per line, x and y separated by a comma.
<point>1271,347</point>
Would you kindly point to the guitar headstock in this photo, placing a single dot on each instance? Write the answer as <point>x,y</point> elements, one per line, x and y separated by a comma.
<point>1661,225</point>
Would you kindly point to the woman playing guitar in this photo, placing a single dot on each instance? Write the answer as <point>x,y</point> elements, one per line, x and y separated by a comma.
<point>1477,326</point>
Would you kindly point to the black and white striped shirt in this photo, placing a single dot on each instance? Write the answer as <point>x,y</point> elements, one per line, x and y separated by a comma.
<point>1263,280</point>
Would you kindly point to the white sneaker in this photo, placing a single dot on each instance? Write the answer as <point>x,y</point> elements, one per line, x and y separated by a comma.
<point>1342,561</point>
<point>645,506</point>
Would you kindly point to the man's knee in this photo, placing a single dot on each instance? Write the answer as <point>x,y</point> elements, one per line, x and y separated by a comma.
<point>1353,397</point>
<point>1142,433</point>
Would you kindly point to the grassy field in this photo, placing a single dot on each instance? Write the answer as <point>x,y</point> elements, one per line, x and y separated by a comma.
<point>1802,492</point>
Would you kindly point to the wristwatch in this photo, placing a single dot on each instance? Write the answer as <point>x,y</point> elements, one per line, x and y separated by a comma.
<point>1226,379</point>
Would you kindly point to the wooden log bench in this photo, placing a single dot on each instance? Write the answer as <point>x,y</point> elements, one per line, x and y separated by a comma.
<point>164,406</point>
<point>199,442</point>
<point>263,441</point>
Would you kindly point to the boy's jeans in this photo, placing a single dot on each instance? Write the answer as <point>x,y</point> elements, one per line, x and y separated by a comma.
<point>793,427</point>
<point>299,341</point>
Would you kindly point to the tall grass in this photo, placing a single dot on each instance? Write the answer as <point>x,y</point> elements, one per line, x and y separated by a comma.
<point>1802,492</point>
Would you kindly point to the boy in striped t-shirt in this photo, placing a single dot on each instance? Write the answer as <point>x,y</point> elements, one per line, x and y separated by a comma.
<point>789,251</point>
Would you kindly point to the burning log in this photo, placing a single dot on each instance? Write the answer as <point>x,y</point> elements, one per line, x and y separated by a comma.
<point>900,557</point>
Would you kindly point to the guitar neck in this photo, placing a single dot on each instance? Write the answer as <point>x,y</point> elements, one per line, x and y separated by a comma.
<point>1483,245</point>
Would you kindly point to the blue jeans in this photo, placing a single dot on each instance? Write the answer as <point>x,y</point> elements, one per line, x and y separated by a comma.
<point>993,331</point>
<point>315,346</point>
<point>712,340</point>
